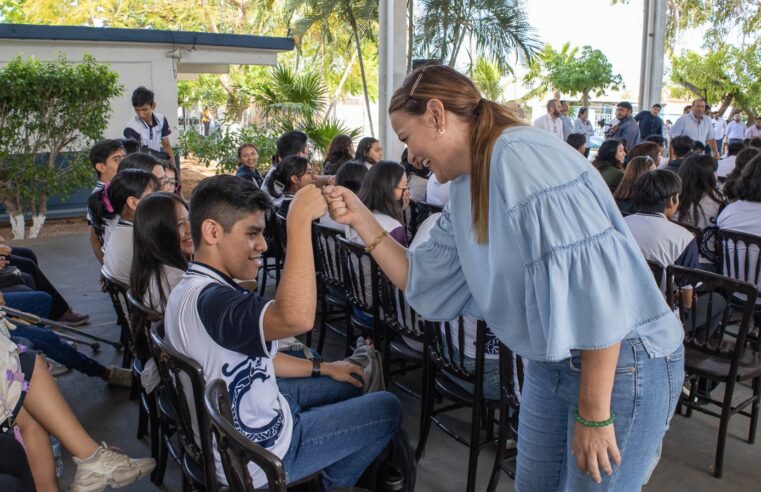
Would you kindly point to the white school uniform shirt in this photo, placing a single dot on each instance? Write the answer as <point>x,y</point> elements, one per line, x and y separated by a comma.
<point>726,166</point>
<point>658,238</point>
<point>220,325</point>
<point>117,258</point>
<point>148,135</point>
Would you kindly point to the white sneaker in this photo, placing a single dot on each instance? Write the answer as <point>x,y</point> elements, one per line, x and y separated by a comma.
<point>118,376</point>
<point>108,468</point>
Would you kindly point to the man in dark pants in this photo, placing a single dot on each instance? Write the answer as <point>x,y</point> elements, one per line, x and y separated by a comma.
<point>25,260</point>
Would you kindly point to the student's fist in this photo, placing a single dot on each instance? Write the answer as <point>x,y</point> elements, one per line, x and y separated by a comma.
<point>345,207</point>
<point>308,204</point>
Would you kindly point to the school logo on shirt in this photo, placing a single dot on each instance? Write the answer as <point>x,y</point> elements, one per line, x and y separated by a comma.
<point>244,375</point>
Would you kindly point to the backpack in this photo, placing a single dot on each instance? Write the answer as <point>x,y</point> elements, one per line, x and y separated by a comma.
<point>395,468</point>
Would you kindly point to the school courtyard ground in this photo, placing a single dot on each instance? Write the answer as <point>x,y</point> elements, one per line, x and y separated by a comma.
<point>109,415</point>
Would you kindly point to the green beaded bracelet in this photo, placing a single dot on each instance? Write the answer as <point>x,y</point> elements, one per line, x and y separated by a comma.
<point>589,423</point>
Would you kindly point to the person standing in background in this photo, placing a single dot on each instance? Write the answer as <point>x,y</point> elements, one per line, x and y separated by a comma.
<point>719,130</point>
<point>551,122</point>
<point>206,120</point>
<point>566,120</point>
<point>649,122</point>
<point>736,130</point>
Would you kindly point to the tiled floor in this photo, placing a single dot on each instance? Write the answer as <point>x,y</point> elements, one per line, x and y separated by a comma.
<point>108,414</point>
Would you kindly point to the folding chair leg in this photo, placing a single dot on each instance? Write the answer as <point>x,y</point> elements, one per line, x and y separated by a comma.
<point>426,409</point>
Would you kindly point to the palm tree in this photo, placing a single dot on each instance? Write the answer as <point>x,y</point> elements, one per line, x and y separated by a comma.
<point>359,16</point>
<point>499,28</point>
<point>488,78</point>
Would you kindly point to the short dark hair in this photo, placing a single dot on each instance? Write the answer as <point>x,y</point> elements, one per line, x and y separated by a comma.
<point>576,140</point>
<point>656,105</point>
<point>755,142</point>
<point>142,96</point>
<point>351,175</point>
<point>682,145</point>
<point>130,145</point>
<point>734,148</point>
<point>749,187</point>
<point>140,160</point>
<point>699,146</point>
<point>377,192</point>
<point>291,143</point>
<point>225,199</point>
<point>625,104</point>
<point>654,190</point>
<point>656,139</point>
<point>101,151</point>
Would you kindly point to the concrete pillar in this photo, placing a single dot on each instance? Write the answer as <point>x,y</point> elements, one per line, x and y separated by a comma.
<point>392,66</point>
<point>653,52</point>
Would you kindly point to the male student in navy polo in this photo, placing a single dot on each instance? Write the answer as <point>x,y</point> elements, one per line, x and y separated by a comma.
<point>312,415</point>
<point>148,126</point>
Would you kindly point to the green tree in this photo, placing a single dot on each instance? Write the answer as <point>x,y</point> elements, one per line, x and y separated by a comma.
<point>488,78</point>
<point>359,16</point>
<point>499,29</point>
<point>47,108</point>
<point>571,71</point>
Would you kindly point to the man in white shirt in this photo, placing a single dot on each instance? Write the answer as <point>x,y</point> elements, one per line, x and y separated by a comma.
<point>719,129</point>
<point>551,121</point>
<point>754,131</point>
<point>696,126</point>
<point>736,130</point>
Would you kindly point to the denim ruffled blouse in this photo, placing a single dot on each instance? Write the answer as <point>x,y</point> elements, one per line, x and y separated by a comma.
<point>560,271</point>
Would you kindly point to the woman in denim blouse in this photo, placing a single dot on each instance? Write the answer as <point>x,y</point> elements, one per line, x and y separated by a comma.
<point>533,243</point>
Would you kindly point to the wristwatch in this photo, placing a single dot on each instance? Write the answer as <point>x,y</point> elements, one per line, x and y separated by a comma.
<point>315,367</point>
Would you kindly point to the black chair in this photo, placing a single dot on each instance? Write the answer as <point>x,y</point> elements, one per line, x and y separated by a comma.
<point>282,232</point>
<point>419,211</point>
<point>403,333</point>
<point>274,252</point>
<point>709,355</point>
<point>658,272</point>
<point>117,291</point>
<point>441,364</point>
<point>361,283</point>
<point>141,319</point>
<point>739,258</point>
<point>333,305</point>
<point>182,378</point>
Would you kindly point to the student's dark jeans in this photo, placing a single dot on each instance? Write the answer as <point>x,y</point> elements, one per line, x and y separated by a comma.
<point>26,261</point>
<point>32,302</point>
<point>49,343</point>
<point>336,429</point>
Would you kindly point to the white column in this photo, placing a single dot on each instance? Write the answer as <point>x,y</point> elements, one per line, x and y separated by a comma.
<point>653,52</point>
<point>392,66</point>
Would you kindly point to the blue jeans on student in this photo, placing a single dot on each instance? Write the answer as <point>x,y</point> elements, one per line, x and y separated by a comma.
<point>491,388</point>
<point>336,429</point>
<point>32,302</point>
<point>645,394</point>
<point>49,343</point>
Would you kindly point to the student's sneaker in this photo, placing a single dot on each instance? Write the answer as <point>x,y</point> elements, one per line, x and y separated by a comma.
<point>108,468</point>
<point>118,376</point>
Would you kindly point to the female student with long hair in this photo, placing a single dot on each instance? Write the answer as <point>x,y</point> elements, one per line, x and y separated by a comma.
<point>533,243</point>
<point>291,174</point>
<point>369,151</point>
<point>624,194</point>
<point>340,151</point>
<point>122,197</point>
<point>610,162</point>
<point>699,200</point>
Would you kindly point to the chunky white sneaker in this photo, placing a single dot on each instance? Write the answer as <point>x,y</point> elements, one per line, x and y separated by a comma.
<point>108,468</point>
<point>118,376</point>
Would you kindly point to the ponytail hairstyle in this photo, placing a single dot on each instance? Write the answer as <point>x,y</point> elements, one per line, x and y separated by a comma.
<point>488,119</point>
<point>156,244</point>
<point>378,189</point>
<point>287,168</point>
<point>109,201</point>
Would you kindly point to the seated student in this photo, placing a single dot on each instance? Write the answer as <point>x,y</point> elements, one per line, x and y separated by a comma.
<point>340,151</point>
<point>312,424</point>
<point>417,177</point>
<point>698,147</point>
<point>248,157</point>
<point>350,175</point>
<point>148,126</point>
<point>578,141</point>
<point>699,201</point>
<point>656,200</point>
<point>386,194</point>
<point>292,174</point>
<point>171,182</point>
<point>123,196</point>
<point>744,215</point>
<point>39,411</point>
<point>658,140</point>
<point>289,143</point>
<point>648,149</point>
<point>146,162</point>
<point>727,164</point>
<point>105,157</point>
<point>49,343</point>
<point>679,148</point>
<point>369,151</point>
<point>35,280</point>
<point>730,188</point>
<point>610,162</point>
<point>624,194</point>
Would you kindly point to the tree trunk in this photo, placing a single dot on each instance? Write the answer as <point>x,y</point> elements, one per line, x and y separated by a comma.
<point>585,99</point>
<point>39,212</point>
<point>355,32</point>
<point>410,33</point>
<point>692,88</point>
<point>725,102</point>
<point>13,207</point>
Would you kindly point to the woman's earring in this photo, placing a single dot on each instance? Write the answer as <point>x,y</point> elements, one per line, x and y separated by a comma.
<point>440,133</point>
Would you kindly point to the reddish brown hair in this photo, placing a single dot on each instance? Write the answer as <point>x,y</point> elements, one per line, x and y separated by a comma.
<point>488,119</point>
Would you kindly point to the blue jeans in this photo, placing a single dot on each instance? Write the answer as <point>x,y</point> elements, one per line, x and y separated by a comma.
<point>645,394</point>
<point>32,302</point>
<point>491,388</point>
<point>336,429</point>
<point>49,343</point>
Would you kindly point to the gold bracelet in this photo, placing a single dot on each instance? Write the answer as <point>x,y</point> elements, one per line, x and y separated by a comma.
<point>370,247</point>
